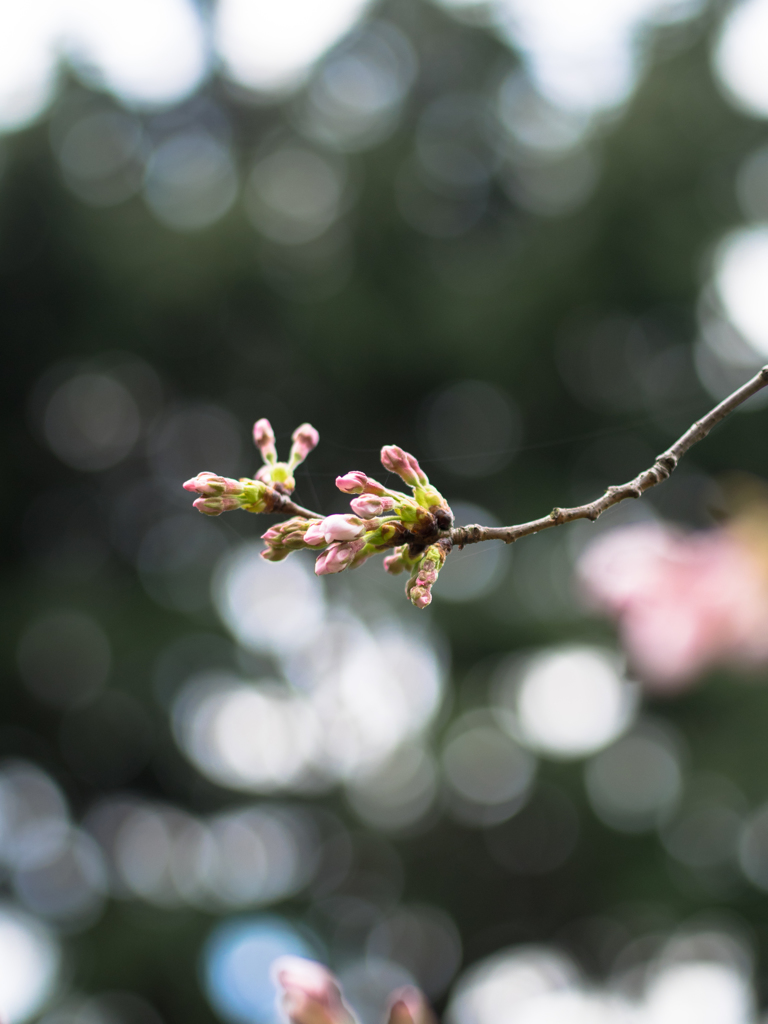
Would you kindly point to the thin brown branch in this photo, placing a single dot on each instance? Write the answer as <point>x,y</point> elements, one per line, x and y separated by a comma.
<point>659,471</point>
<point>284,504</point>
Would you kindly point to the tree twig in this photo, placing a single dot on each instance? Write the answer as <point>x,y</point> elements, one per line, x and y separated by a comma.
<point>659,471</point>
<point>282,503</point>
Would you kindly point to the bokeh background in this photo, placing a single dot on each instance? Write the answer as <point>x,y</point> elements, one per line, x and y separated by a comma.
<point>524,239</point>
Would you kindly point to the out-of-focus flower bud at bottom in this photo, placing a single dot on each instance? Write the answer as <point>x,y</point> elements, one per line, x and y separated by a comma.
<point>311,994</point>
<point>683,602</point>
<point>409,1006</point>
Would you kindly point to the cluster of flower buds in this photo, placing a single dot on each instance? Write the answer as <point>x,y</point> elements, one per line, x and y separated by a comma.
<point>414,527</point>
<point>304,438</point>
<point>222,494</point>
<point>312,995</point>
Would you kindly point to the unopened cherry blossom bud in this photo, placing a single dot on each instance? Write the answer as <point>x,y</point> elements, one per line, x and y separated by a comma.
<point>304,438</point>
<point>291,535</point>
<point>342,527</point>
<point>356,482</point>
<point>338,557</point>
<point>367,506</point>
<point>400,561</point>
<point>208,484</point>
<point>424,575</point>
<point>264,439</point>
<point>311,994</point>
<point>315,535</point>
<point>221,494</point>
<point>215,505</point>
<point>409,1006</point>
<point>405,465</point>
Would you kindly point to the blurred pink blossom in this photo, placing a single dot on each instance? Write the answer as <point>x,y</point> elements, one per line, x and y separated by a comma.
<point>311,993</point>
<point>683,602</point>
<point>408,1006</point>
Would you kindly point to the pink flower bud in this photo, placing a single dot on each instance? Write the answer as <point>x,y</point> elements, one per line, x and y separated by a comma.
<point>209,484</point>
<point>369,505</point>
<point>407,468</point>
<point>315,534</point>
<point>304,438</point>
<point>342,527</point>
<point>264,439</point>
<point>395,563</point>
<point>408,1006</point>
<point>356,482</point>
<point>311,993</point>
<point>338,557</point>
<point>215,505</point>
<point>352,483</point>
<point>419,587</point>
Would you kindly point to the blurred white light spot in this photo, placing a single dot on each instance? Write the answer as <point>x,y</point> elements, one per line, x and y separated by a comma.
<point>635,783</point>
<point>147,52</point>
<point>753,848</point>
<point>237,962</point>
<point>739,57</point>
<point>262,854</point>
<point>91,421</point>
<point>33,816</point>
<point>740,276</point>
<point>699,993</point>
<point>191,181</point>
<point>30,959</point>
<point>258,737</point>
<point>293,195</point>
<point>27,61</point>
<point>70,887</point>
<point>64,657</point>
<point>567,702</point>
<point>488,774</point>
<point>271,46</point>
<point>397,792</point>
<point>535,123</point>
<point>268,607</point>
<point>354,100</point>
<point>101,157</point>
<point>583,57</point>
<point>498,989</point>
